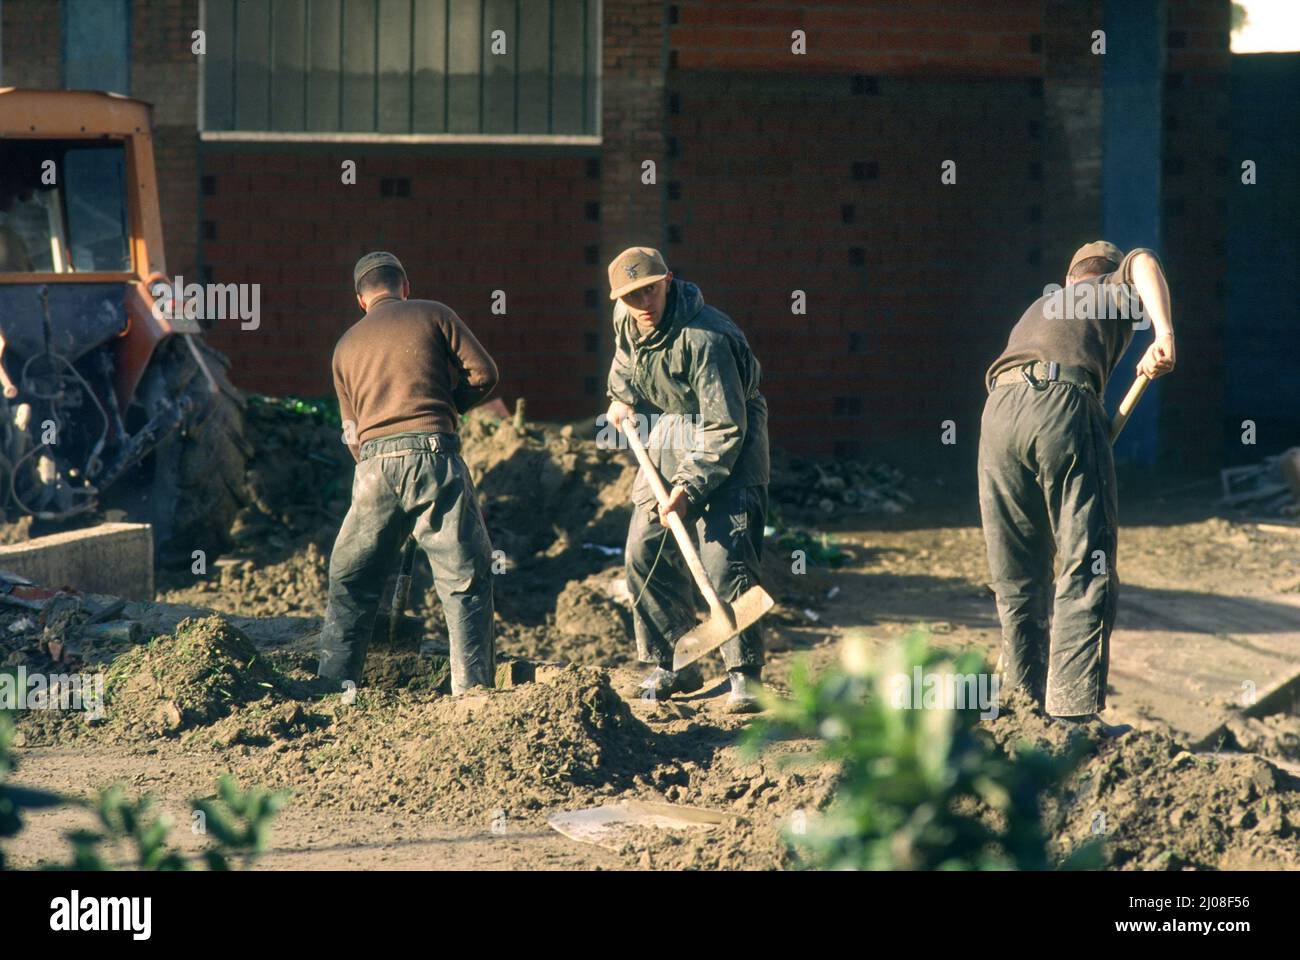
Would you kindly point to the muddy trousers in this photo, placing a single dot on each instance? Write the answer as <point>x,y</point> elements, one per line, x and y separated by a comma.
<point>729,534</point>
<point>403,487</point>
<point>1047,494</point>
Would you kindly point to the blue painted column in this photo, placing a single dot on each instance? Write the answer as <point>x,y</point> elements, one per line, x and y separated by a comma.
<point>1132,152</point>
<point>97,45</point>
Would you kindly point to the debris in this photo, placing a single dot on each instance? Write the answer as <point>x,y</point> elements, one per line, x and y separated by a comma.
<point>806,489</point>
<point>608,825</point>
<point>1272,487</point>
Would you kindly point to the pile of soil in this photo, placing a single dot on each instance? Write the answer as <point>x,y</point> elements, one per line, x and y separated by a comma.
<point>293,586</point>
<point>1275,736</point>
<point>298,477</point>
<point>188,679</point>
<point>1157,806</point>
<point>508,753</point>
<point>771,797</point>
<point>548,489</point>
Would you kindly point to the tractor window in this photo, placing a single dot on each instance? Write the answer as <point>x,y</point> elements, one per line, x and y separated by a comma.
<point>94,200</point>
<point>63,207</point>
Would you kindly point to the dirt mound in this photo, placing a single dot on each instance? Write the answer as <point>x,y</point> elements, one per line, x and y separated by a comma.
<point>293,586</point>
<point>298,476</point>
<point>503,754</point>
<point>1275,736</point>
<point>1157,806</point>
<point>772,799</point>
<point>547,489</point>
<point>187,679</point>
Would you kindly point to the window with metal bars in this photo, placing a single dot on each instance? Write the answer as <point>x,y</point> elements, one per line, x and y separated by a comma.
<point>402,66</point>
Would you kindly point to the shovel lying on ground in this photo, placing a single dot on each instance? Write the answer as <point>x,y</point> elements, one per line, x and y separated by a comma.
<point>725,620</point>
<point>1127,404</point>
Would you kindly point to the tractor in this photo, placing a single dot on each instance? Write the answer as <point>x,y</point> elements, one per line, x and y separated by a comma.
<point>109,403</point>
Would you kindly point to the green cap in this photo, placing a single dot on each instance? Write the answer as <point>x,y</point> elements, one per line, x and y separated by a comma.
<point>379,258</point>
<point>1098,248</point>
<point>634,268</point>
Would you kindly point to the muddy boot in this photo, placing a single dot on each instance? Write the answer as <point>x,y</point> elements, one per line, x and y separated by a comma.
<point>663,683</point>
<point>1093,724</point>
<point>745,687</point>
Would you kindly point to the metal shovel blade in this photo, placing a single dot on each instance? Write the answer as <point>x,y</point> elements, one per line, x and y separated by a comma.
<point>715,631</point>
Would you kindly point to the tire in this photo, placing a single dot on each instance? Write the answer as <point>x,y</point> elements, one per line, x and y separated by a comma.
<point>198,477</point>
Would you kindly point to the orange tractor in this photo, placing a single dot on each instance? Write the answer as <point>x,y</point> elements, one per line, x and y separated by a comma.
<point>107,401</point>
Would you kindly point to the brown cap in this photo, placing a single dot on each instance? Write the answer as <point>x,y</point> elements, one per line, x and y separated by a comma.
<point>379,258</point>
<point>1098,248</point>
<point>634,268</point>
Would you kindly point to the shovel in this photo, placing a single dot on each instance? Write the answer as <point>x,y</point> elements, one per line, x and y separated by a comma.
<point>1127,404</point>
<point>402,594</point>
<point>725,619</point>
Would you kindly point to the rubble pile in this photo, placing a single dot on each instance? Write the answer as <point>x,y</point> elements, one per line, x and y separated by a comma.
<point>1271,487</point>
<point>807,490</point>
<point>299,475</point>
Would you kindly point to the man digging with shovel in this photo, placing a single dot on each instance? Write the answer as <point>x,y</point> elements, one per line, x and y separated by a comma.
<point>1047,474</point>
<point>706,464</point>
<point>404,373</point>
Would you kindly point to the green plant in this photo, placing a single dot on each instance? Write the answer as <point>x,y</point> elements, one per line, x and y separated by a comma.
<point>238,820</point>
<point>920,789</point>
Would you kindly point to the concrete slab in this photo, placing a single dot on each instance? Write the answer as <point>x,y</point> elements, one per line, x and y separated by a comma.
<point>1190,660</point>
<point>114,558</point>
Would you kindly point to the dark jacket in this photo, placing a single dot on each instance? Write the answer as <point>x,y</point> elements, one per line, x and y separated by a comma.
<point>695,369</point>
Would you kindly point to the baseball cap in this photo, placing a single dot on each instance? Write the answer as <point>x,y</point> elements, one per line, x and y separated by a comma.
<point>379,258</point>
<point>634,268</point>
<point>1098,248</point>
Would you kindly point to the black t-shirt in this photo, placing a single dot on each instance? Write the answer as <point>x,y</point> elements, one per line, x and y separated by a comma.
<point>1088,324</point>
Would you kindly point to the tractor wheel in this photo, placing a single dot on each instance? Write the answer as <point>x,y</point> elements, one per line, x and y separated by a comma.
<point>198,477</point>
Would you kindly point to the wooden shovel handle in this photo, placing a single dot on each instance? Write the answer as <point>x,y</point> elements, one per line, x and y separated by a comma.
<point>1127,404</point>
<point>674,521</point>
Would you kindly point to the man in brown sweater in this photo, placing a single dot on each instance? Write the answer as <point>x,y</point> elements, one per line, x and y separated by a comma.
<point>403,374</point>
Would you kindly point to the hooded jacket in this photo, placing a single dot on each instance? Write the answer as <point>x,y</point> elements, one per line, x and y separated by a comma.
<point>699,379</point>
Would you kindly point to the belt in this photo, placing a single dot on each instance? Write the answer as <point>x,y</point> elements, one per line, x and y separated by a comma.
<point>1039,373</point>
<point>399,445</point>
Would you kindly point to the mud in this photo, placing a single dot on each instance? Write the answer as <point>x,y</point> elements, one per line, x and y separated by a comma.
<point>508,754</point>
<point>1154,805</point>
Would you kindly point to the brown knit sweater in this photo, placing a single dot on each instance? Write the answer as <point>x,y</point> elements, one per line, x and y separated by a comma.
<point>408,366</point>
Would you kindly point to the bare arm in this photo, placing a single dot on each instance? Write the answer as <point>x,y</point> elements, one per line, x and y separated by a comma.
<point>1153,290</point>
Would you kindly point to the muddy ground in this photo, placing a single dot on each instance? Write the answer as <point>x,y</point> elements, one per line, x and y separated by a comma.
<point>405,776</point>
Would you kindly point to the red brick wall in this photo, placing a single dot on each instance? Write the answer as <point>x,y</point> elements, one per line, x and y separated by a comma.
<point>33,44</point>
<point>472,224</point>
<point>821,172</point>
<point>949,36</point>
<point>834,188</point>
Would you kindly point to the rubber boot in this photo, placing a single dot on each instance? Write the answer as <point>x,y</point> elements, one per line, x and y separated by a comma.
<point>662,683</point>
<point>1092,723</point>
<point>746,684</point>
